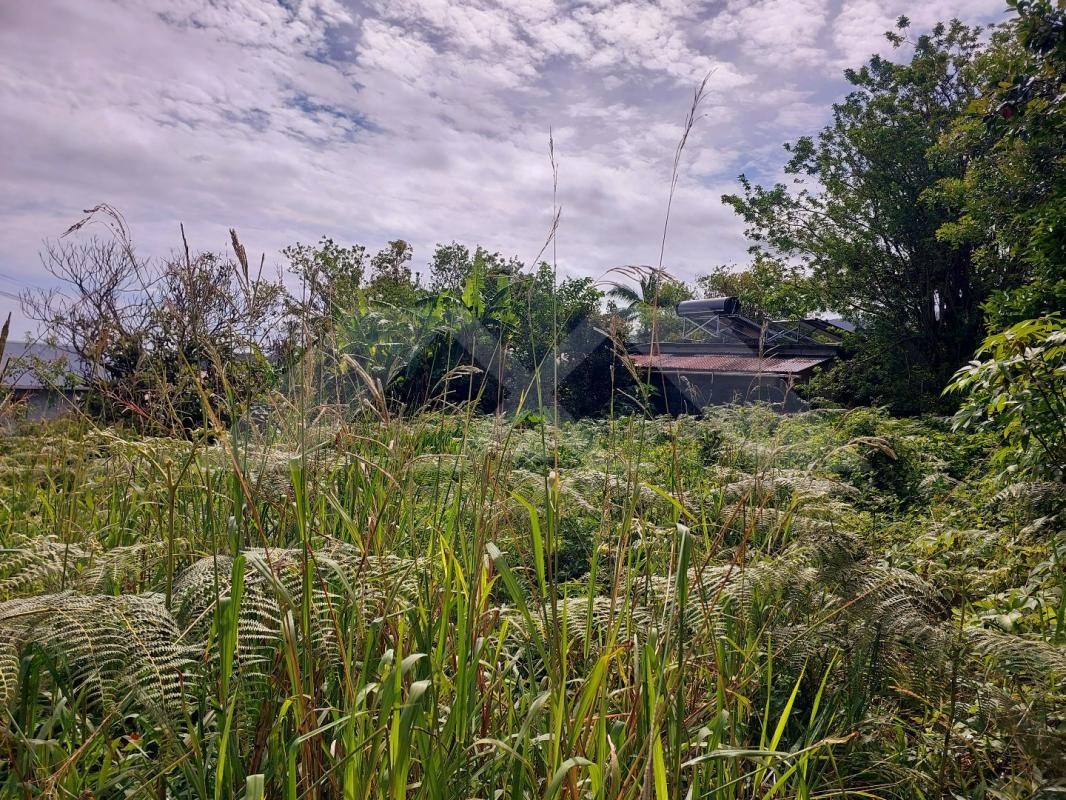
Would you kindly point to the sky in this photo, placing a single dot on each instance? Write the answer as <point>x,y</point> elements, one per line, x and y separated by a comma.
<point>423,120</point>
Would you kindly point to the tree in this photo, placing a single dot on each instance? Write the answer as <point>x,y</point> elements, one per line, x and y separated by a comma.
<point>488,339</point>
<point>560,330</point>
<point>547,309</point>
<point>768,289</point>
<point>167,343</point>
<point>330,279</point>
<point>104,312</point>
<point>1010,202</point>
<point>453,263</point>
<point>450,266</point>
<point>864,221</point>
<point>655,288</point>
<point>649,306</point>
<point>392,281</point>
<point>392,262</point>
<point>484,330</point>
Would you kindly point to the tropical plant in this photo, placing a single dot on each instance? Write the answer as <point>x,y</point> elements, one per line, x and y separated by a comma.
<point>649,305</point>
<point>1015,388</point>
<point>422,606</point>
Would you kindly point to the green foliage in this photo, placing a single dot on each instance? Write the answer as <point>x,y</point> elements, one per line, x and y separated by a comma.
<point>330,277</point>
<point>543,304</point>
<point>452,264</point>
<point>343,601</point>
<point>1008,203</point>
<point>864,222</point>
<point>873,369</point>
<point>826,603</point>
<point>463,343</point>
<point>648,307</point>
<point>391,280</point>
<point>767,289</point>
<point>1015,388</point>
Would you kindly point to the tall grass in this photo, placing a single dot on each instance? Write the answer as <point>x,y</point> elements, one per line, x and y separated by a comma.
<point>450,606</point>
<point>350,602</point>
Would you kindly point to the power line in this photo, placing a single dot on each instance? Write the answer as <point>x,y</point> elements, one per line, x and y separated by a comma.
<point>19,281</point>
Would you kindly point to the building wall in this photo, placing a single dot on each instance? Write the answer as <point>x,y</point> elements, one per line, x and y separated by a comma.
<point>44,404</point>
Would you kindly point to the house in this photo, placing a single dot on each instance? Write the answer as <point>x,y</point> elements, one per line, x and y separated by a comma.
<point>44,380</point>
<point>723,357</point>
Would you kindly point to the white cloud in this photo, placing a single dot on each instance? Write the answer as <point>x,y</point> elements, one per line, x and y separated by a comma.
<point>416,118</point>
<point>859,28</point>
<point>783,31</point>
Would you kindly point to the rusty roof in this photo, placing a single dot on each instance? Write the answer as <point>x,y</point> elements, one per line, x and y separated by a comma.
<point>748,365</point>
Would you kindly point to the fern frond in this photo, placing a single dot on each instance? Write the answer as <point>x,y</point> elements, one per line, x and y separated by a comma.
<point>41,563</point>
<point>113,647</point>
<point>9,669</point>
<point>122,568</point>
<point>787,483</point>
<point>273,584</point>
<point>1020,656</point>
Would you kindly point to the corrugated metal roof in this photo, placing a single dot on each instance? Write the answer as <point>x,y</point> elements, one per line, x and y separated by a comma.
<point>728,363</point>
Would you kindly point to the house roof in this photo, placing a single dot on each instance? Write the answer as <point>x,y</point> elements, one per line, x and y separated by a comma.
<point>834,325</point>
<point>20,375</point>
<point>728,363</point>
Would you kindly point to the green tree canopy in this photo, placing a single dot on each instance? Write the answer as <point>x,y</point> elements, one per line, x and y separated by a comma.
<point>1009,201</point>
<point>330,278</point>
<point>767,289</point>
<point>392,281</point>
<point>863,219</point>
<point>452,264</point>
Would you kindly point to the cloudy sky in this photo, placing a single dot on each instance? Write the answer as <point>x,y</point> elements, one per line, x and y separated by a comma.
<point>420,119</point>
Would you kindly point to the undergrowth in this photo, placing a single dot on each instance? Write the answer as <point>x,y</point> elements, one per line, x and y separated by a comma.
<point>830,604</point>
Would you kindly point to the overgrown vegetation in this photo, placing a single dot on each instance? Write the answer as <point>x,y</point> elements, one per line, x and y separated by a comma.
<point>929,211</point>
<point>331,574</point>
<point>928,214</point>
<point>744,605</point>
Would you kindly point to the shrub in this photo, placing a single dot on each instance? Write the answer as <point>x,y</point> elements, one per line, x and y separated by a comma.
<point>1015,388</point>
